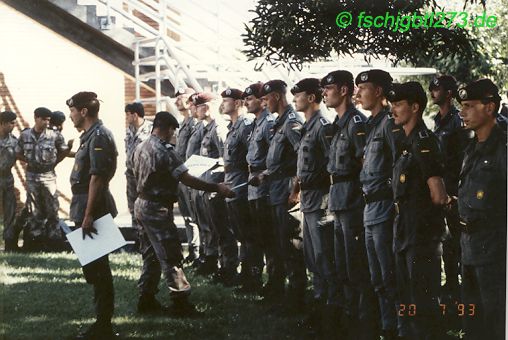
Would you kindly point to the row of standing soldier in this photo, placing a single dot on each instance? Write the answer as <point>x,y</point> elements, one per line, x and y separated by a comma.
<point>365,172</point>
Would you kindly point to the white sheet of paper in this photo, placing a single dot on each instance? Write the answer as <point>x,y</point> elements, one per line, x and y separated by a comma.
<point>198,165</point>
<point>108,239</point>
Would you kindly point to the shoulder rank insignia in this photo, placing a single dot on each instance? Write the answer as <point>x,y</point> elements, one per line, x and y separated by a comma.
<point>357,119</point>
<point>247,121</point>
<point>168,146</point>
<point>423,134</point>
<point>324,121</point>
<point>270,118</point>
<point>292,115</point>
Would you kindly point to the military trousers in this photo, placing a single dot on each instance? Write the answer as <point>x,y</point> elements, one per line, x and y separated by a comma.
<point>228,245</point>
<point>319,256</point>
<point>418,284</point>
<point>8,201</point>
<point>266,240</point>
<point>98,274</point>
<point>359,299</point>
<point>243,230</point>
<point>484,300</point>
<point>208,236</point>
<point>293,259</point>
<point>451,253</point>
<point>379,244</point>
<point>156,221</point>
<point>43,198</point>
<point>191,228</point>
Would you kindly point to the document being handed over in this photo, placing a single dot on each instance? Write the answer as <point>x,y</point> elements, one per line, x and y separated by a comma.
<point>108,239</point>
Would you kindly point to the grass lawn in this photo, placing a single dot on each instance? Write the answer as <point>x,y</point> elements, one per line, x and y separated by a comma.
<point>44,296</point>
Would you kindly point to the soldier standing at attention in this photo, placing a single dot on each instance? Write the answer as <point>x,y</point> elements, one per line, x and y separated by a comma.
<point>8,145</point>
<point>184,204</point>
<point>482,211</point>
<point>94,166</point>
<point>375,178</point>
<point>346,200</point>
<point>281,172</point>
<point>236,173</point>
<point>419,228</point>
<point>212,146</point>
<point>259,142</point>
<point>452,137</point>
<point>138,130</point>
<point>196,201</point>
<point>158,169</point>
<point>42,149</point>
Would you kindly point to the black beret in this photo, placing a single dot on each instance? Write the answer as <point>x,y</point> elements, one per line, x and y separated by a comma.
<point>57,118</point>
<point>481,89</point>
<point>338,77</point>
<point>309,85</point>
<point>42,112</point>
<point>202,98</point>
<point>273,86</point>
<point>232,93</point>
<point>255,89</point>
<point>449,83</point>
<point>165,119</point>
<point>412,91</point>
<point>7,116</point>
<point>376,76</point>
<point>81,99</point>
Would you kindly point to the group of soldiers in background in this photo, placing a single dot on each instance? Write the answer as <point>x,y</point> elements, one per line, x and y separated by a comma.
<point>382,200</point>
<point>40,148</point>
<point>379,201</point>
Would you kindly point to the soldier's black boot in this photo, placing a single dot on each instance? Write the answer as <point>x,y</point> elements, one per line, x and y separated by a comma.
<point>12,246</point>
<point>148,304</point>
<point>208,267</point>
<point>182,308</point>
<point>98,331</point>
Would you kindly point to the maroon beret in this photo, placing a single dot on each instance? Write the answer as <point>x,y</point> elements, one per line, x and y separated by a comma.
<point>232,93</point>
<point>255,89</point>
<point>202,98</point>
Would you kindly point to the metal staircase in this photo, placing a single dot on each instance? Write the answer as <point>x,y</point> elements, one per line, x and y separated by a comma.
<point>191,44</point>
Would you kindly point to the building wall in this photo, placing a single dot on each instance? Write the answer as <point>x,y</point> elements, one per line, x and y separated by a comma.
<point>41,68</point>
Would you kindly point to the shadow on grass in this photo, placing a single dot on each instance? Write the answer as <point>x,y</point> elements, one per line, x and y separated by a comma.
<point>44,296</point>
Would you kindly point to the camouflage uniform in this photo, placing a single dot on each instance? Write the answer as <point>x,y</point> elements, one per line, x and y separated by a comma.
<point>212,146</point>
<point>313,154</point>
<point>157,168</point>
<point>281,167</point>
<point>184,205</point>
<point>236,172</point>
<point>7,160</point>
<point>132,139</point>
<point>96,156</point>
<point>41,153</point>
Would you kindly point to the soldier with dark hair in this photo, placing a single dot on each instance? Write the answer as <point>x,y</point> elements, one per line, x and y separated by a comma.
<point>138,130</point>
<point>94,166</point>
<point>419,228</point>
<point>482,211</point>
<point>42,149</point>
<point>8,145</point>
<point>158,169</point>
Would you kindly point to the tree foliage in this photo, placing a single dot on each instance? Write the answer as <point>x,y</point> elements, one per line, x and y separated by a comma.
<point>293,32</point>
